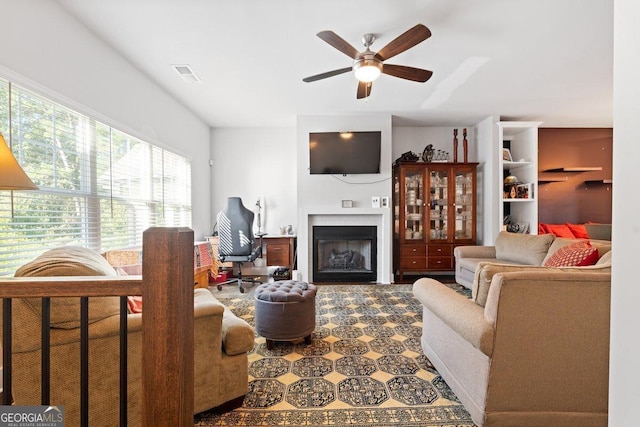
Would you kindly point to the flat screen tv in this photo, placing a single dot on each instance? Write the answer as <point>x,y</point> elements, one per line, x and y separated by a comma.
<point>344,152</point>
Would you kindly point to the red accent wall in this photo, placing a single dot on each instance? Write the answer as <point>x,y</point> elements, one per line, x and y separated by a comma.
<point>574,200</point>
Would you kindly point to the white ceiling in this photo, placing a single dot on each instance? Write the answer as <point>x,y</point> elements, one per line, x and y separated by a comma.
<point>547,60</point>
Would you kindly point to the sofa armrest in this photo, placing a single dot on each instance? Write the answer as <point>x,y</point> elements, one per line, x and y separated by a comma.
<point>237,336</point>
<point>474,252</point>
<point>457,311</point>
<point>466,259</point>
<point>206,304</point>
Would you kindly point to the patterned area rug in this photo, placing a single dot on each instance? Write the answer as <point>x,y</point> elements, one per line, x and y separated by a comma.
<point>363,368</point>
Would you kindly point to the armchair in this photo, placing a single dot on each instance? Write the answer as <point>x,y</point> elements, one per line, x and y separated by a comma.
<point>222,342</point>
<point>236,240</point>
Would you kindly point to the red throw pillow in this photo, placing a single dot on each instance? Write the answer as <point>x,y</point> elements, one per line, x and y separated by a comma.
<point>542,228</point>
<point>577,254</point>
<point>578,230</point>
<point>560,230</point>
<point>135,304</point>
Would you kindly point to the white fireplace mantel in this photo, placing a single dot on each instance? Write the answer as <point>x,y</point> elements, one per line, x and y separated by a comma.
<point>379,217</point>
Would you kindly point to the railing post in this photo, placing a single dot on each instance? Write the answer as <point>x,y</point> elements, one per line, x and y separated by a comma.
<point>167,334</point>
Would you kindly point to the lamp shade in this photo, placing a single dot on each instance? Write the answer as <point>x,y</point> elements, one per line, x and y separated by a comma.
<point>367,68</point>
<point>12,177</point>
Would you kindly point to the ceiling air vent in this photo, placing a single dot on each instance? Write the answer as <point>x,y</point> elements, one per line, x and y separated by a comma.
<point>186,73</point>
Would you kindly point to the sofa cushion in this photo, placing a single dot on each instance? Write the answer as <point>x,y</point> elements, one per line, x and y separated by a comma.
<point>605,259</point>
<point>598,231</point>
<point>559,230</point>
<point>71,261</point>
<point>578,254</point>
<point>486,271</point>
<point>522,248</point>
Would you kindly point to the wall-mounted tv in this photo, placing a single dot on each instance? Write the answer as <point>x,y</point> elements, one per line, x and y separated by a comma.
<point>344,152</point>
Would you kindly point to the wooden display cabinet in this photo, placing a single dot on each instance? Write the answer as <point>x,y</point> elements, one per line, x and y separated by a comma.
<point>434,210</point>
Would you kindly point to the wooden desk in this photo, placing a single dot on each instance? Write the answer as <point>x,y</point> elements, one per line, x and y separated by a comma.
<point>201,277</point>
<point>130,260</point>
<point>280,252</point>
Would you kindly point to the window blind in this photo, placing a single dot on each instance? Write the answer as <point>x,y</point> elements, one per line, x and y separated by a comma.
<point>98,187</point>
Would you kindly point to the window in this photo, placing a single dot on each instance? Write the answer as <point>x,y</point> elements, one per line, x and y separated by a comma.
<point>98,187</point>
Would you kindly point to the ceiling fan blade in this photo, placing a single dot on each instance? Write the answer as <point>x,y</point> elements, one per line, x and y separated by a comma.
<point>327,74</point>
<point>339,43</point>
<point>404,41</point>
<point>408,73</point>
<point>364,90</point>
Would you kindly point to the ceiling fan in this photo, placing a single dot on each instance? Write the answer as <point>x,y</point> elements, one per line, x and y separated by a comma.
<point>368,65</point>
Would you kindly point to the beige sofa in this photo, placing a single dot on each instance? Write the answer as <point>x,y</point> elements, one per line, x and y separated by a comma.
<point>222,341</point>
<point>535,352</point>
<point>516,249</point>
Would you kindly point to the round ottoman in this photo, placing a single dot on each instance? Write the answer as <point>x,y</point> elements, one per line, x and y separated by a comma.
<point>285,311</point>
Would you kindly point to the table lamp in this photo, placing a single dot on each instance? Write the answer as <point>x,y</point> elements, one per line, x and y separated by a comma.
<point>12,177</point>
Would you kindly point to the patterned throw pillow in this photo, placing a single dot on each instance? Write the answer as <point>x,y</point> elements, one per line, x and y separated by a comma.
<point>577,254</point>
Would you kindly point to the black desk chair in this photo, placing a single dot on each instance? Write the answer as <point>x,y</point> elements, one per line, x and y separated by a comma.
<point>236,240</point>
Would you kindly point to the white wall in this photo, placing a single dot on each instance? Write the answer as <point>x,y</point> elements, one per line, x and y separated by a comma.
<point>624,393</point>
<point>253,162</point>
<point>489,197</point>
<point>46,50</point>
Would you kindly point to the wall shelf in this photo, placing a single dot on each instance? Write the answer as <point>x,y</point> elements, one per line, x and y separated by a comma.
<point>575,169</point>
<point>548,180</point>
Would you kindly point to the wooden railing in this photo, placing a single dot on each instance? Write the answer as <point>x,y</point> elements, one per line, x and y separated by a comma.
<point>167,325</point>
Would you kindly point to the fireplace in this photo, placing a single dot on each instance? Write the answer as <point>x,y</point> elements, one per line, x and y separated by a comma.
<point>344,253</point>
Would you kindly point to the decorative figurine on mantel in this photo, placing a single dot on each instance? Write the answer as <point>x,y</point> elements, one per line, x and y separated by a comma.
<point>430,154</point>
<point>427,154</point>
<point>465,145</point>
<point>455,145</point>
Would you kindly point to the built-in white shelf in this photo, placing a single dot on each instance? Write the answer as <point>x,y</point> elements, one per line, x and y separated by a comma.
<point>506,164</point>
<point>521,138</point>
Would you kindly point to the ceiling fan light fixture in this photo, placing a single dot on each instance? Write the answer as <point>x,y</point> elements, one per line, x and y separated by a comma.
<point>367,70</point>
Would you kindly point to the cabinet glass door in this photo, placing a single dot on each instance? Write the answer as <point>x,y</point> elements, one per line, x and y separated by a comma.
<point>464,205</point>
<point>413,205</point>
<point>438,204</point>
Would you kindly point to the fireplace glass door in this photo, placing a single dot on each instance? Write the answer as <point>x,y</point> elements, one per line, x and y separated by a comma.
<point>344,254</point>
